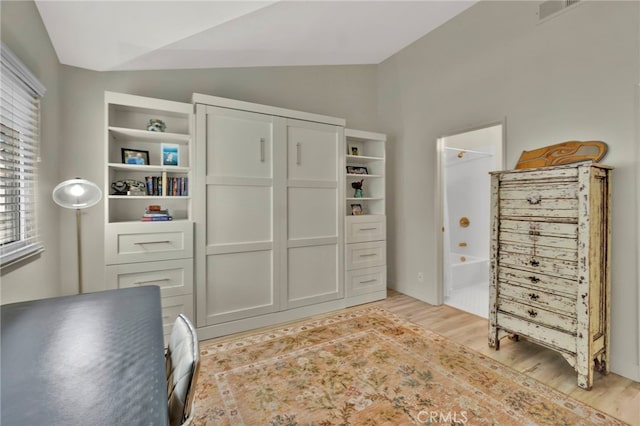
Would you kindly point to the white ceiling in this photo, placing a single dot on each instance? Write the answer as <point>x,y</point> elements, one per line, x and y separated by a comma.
<point>142,35</point>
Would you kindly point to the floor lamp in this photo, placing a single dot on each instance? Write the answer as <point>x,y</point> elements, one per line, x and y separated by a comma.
<point>77,194</point>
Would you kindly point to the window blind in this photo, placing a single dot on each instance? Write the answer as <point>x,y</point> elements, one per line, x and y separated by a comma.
<point>20,94</point>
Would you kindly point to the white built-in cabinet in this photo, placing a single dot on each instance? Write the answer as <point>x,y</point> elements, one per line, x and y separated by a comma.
<point>141,253</point>
<point>365,250</point>
<point>269,228</point>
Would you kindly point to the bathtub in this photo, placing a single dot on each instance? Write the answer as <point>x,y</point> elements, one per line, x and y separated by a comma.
<point>467,270</point>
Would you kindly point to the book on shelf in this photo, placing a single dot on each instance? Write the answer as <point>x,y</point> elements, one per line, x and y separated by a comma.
<point>157,218</point>
<point>163,185</point>
<point>156,213</point>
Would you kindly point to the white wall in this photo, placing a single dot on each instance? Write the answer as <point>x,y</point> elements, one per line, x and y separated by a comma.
<point>572,77</point>
<point>24,34</point>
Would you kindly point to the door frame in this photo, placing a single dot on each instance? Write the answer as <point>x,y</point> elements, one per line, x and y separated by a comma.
<point>439,205</point>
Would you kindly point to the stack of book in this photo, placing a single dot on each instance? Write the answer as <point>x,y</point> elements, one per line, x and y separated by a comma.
<point>156,213</point>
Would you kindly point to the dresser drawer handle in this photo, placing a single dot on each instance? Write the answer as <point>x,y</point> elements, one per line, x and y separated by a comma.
<point>368,255</point>
<point>368,229</point>
<point>534,200</point>
<point>152,242</point>
<point>534,262</point>
<point>533,296</point>
<point>532,313</point>
<point>534,279</point>
<point>368,281</point>
<point>534,232</point>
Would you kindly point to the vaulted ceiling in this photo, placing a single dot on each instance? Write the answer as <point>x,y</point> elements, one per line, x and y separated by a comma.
<point>142,35</point>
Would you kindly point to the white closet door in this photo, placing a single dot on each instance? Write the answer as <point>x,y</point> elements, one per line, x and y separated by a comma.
<point>237,229</point>
<point>313,227</point>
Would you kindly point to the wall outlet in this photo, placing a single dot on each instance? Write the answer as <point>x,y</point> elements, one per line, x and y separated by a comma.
<point>420,277</point>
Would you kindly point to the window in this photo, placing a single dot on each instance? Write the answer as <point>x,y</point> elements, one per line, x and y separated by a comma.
<point>20,94</point>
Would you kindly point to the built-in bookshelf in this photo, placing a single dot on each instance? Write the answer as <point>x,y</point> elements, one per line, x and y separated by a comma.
<point>147,167</point>
<point>365,162</point>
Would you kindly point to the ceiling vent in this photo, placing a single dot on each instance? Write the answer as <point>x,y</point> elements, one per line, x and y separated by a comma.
<point>552,7</point>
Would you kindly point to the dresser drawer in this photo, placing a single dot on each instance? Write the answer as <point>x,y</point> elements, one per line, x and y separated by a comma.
<point>143,242</point>
<point>537,228</point>
<point>365,228</point>
<point>548,336</point>
<point>367,280</point>
<point>535,200</point>
<point>365,255</point>
<point>171,308</point>
<point>174,277</point>
<point>538,281</point>
<point>534,249</point>
<point>538,315</point>
<point>537,298</point>
<point>543,265</point>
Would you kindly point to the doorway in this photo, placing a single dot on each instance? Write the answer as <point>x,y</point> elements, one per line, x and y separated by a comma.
<point>465,162</point>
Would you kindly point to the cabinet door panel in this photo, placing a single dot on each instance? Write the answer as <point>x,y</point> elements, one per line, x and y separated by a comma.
<point>239,285</point>
<point>312,151</point>
<point>238,214</point>
<point>312,213</point>
<point>313,275</point>
<point>239,143</point>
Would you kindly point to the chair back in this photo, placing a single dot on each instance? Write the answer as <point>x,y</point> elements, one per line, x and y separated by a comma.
<point>182,365</point>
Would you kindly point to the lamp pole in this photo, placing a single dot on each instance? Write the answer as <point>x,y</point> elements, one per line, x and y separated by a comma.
<point>79,246</point>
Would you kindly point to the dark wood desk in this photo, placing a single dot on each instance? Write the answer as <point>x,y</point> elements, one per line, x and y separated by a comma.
<point>92,359</point>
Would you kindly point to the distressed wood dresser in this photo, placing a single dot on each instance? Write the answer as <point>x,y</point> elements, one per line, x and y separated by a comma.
<point>550,251</point>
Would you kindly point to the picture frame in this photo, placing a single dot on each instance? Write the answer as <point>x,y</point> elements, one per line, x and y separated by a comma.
<point>353,149</point>
<point>356,210</point>
<point>170,154</point>
<point>357,170</point>
<point>135,156</point>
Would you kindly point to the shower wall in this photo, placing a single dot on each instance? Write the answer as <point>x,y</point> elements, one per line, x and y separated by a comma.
<point>467,195</point>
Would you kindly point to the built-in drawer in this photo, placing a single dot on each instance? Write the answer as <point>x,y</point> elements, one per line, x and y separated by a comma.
<point>537,298</point>
<point>367,280</point>
<point>171,308</point>
<point>559,200</point>
<point>360,229</point>
<point>133,242</point>
<point>537,281</point>
<point>174,277</point>
<point>539,264</point>
<point>547,336</point>
<point>366,255</point>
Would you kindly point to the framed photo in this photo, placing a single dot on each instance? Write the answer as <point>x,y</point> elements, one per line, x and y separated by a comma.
<point>356,209</point>
<point>357,170</point>
<point>353,149</point>
<point>170,154</point>
<point>134,156</point>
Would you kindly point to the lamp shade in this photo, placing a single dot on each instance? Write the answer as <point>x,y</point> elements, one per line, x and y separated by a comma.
<point>77,194</point>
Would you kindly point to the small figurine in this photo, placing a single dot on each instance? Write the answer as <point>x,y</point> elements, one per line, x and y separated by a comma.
<point>358,187</point>
<point>156,125</point>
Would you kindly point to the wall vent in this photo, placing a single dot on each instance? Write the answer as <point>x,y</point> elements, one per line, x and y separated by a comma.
<point>552,7</point>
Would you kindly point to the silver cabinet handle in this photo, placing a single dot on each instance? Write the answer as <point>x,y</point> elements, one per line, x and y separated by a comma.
<point>262,150</point>
<point>368,255</point>
<point>368,229</point>
<point>298,153</point>
<point>151,242</point>
<point>150,281</point>
<point>368,281</point>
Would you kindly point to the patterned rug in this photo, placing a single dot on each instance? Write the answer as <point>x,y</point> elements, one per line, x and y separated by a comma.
<point>369,367</point>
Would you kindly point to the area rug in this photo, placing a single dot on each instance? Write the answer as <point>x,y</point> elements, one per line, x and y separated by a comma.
<point>369,367</point>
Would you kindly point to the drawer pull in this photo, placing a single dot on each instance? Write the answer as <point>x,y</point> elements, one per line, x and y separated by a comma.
<point>534,262</point>
<point>151,281</point>
<point>368,229</point>
<point>152,242</point>
<point>534,279</point>
<point>534,200</point>
<point>368,281</point>
<point>368,255</point>
<point>532,313</point>
<point>537,233</point>
<point>533,296</point>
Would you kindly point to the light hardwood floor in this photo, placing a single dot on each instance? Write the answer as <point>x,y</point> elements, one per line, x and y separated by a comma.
<point>611,394</point>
